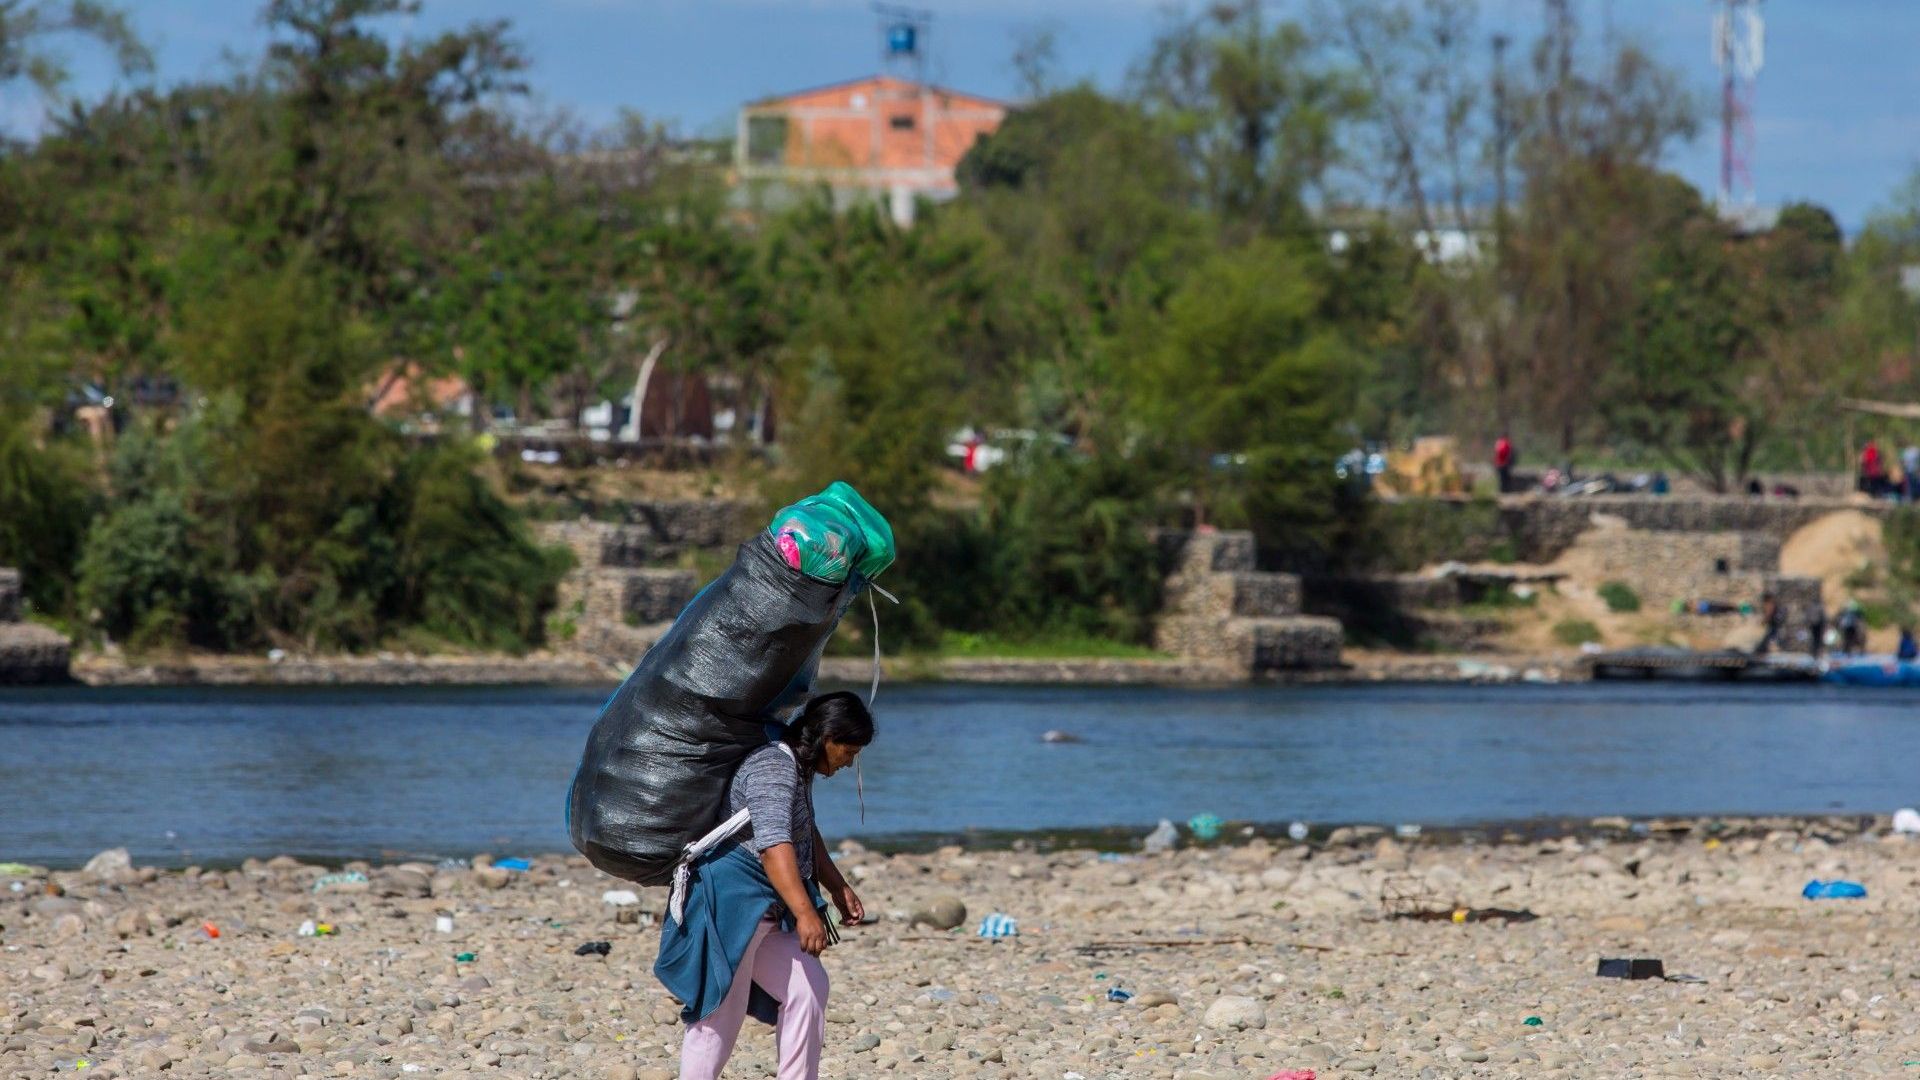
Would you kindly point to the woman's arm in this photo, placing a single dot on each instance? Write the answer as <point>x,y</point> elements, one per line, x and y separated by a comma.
<point>783,869</point>
<point>838,890</point>
<point>824,871</point>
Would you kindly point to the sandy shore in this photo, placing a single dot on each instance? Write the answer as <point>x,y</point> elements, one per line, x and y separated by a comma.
<point>1242,961</point>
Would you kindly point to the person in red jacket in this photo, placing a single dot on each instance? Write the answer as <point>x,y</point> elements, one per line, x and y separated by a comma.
<point>1873,470</point>
<point>1503,461</point>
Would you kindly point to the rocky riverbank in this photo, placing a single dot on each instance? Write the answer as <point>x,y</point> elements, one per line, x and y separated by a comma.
<point>583,669</point>
<point>1370,956</point>
<point>377,670</point>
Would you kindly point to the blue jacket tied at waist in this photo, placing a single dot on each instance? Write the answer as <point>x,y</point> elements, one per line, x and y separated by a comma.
<point>699,956</point>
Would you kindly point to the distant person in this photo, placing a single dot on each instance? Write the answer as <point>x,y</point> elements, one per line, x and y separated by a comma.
<point>1910,472</point>
<point>1775,619</point>
<point>1852,626</point>
<point>1909,648</point>
<point>1503,461</point>
<point>1755,489</point>
<point>1817,631</point>
<point>1873,470</point>
<point>1661,485</point>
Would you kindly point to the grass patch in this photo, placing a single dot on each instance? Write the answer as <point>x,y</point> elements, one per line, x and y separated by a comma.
<point>957,645</point>
<point>1496,599</point>
<point>1863,577</point>
<point>1575,632</point>
<point>1619,597</point>
<point>1881,614</point>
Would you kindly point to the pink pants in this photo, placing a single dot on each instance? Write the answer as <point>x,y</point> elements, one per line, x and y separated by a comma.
<point>773,960</point>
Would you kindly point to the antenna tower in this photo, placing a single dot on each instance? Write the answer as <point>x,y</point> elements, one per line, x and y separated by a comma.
<point>1739,50</point>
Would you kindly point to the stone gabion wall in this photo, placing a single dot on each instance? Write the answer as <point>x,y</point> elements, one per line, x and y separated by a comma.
<point>29,652</point>
<point>654,531</point>
<point>1219,610</point>
<point>1544,527</point>
<point>1664,566</point>
<point>1733,568</point>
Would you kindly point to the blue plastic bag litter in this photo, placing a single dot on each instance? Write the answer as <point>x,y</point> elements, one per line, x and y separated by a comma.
<point>1834,890</point>
<point>513,864</point>
<point>997,925</point>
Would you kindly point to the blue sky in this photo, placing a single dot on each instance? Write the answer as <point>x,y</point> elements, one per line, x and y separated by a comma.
<point>1838,106</point>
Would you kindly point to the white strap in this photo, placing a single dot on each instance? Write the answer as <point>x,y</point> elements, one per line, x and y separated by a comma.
<point>719,834</point>
<point>874,610</point>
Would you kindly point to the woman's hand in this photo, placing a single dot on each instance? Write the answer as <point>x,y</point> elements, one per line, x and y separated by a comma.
<point>811,931</point>
<point>852,911</point>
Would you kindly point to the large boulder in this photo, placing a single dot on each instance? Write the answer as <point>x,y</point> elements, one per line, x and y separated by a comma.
<point>1230,1013</point>
<point>111,867</point>
<point>941,913</point>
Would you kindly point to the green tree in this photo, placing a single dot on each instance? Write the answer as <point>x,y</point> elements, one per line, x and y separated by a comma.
<point>27,25</point>
<point>46,502</point>
<point>1683,381</point>
<point>1248,388</point>
<point>1089,208</point>
<point>1257,110</point>
<point>1066,549</point>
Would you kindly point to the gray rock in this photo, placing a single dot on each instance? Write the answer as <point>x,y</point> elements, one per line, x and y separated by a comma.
<point>942,913</point>
<point>407,883</point>
<point>112,866</point>
<point>1232,1013</point>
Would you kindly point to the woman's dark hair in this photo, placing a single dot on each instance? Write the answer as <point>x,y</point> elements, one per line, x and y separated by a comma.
<point>840,716</point>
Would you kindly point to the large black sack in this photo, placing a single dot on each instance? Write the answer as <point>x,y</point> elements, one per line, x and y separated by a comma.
<point>655,771</point>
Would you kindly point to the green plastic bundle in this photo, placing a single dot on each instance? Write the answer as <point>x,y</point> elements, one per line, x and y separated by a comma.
<point>832,534</point>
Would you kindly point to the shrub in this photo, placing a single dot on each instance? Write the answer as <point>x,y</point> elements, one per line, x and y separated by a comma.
<point>1619,596</point>
<point>155,572</point>
<point>1066,539</point>
<point>1575,632</point>
<point>47,497</point>
<point>469,569</point>
<point>1402,535</point>
<point>430,553</point>
<point>1901,534</point>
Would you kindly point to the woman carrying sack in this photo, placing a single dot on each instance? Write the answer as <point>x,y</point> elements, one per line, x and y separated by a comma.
<point>746,924</point>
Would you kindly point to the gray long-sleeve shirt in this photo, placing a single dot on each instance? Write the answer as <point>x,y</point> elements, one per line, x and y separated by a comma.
<point>769,785</point>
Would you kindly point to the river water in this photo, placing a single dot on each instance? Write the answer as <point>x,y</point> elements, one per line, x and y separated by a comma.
<point>215,775</point>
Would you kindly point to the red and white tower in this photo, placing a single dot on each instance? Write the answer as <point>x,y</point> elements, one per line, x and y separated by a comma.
<point>1739,50</point>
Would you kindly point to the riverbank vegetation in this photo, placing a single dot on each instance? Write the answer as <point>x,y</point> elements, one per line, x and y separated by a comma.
<point>1191,294</point>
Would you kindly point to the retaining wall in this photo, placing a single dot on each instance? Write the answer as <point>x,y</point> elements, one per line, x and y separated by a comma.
<point>29,652</point>
<point>1543,527</point>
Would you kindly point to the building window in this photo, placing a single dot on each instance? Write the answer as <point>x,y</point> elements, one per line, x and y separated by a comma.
<point>766,140</point>
<point>900,123</point>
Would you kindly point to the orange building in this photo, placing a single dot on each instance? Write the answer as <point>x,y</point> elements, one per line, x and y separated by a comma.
<point>882,136</point>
